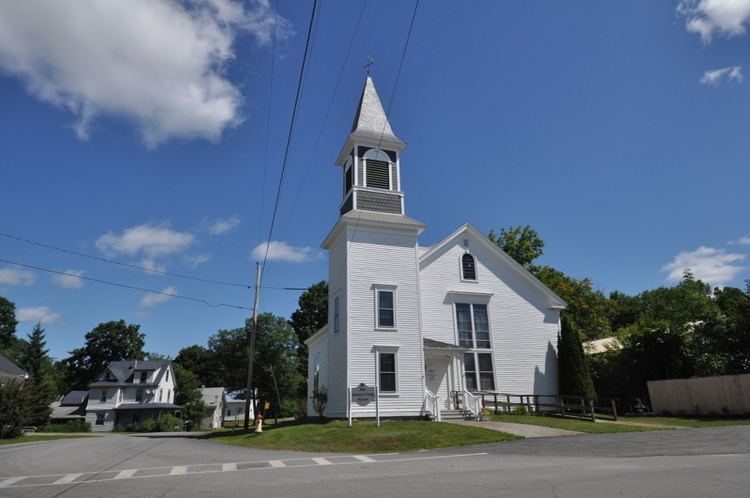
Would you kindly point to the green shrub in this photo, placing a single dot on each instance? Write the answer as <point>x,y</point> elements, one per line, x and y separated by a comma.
<point>520,410</point>
<point>15,399</point>
<point>168,423</point>
<point>148,425</point>
<point>69,426</point>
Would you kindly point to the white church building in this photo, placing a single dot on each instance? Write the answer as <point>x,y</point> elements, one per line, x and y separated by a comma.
<point>432,327</point>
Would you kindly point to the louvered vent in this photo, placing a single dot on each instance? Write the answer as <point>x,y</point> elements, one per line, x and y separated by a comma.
<point>377,174</point>
<point>468,267</point>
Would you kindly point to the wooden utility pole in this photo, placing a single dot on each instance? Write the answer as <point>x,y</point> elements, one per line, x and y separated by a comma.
<point>251,353</point>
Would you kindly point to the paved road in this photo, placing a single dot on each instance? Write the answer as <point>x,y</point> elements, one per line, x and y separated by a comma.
<point>705,462</point>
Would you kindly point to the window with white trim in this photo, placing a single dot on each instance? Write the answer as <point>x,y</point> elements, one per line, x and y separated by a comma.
<point>386,308</point>
<point>100,419</point>
<point>387,372</point>
<point>336,313</point>
<point>103,396</point>
<point>316,373</point>
<point>378,174</point>
<point>139,395</point>
<point>468,267</point>
<point>473,327</point>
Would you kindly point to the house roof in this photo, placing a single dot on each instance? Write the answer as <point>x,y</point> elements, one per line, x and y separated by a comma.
<point>66,412</point>
<point>554,301</point>
<point>147,406</point>
<point>74,398</point>
<point>9,368</point>
<point>433,344</point>
<point>316,335</point>
<point>123,371</point>
<point>212,395</point>
<point>370,123</point>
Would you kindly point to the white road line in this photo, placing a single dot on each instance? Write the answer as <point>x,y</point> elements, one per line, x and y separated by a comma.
<point>8,482</point>
<point>125,474</point>
<point>182,470</point>
<point>322,461</point>
<point>67,478</point>
<point>228,467</point>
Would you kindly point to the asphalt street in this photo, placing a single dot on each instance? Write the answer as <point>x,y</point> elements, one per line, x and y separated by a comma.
<point>704,462</point>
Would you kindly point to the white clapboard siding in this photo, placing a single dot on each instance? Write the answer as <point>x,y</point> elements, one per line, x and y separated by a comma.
<point>336,364</point>
<point>523,327</point>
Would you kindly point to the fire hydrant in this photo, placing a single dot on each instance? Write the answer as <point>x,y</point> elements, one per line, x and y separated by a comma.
<point>259,423</point>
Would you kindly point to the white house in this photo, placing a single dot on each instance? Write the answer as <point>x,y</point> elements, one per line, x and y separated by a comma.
<point>235,410</point>
<point>431,326</point>
<point>129,392</point>
<point>214,398</point>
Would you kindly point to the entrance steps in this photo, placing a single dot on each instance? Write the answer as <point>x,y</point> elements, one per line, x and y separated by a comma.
<point>455,415</point>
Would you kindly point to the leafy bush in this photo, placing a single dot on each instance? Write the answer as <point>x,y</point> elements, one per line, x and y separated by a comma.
<point>520,410</point>
<point>149,425</point>
<point>168,423</point>
<point>69,426</point>
<point>15,398</point>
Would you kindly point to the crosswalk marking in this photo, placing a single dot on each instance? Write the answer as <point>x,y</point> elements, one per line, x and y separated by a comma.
<point>8,482</point>
<point>124,474</point>
<point>182,470</point>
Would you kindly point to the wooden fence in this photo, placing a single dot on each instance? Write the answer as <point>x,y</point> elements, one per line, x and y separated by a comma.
<point>539,404</point>
<point>721,395</point>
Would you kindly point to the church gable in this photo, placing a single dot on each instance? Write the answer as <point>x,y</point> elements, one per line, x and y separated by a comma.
<point>469,260</point>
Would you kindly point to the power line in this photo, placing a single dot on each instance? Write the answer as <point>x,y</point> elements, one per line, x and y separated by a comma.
<point>268,128</point>
<point>325,118</point>
<point>120,263</point>
<point>289,137</point>
<point>127,286</point>
<point>138,267</point>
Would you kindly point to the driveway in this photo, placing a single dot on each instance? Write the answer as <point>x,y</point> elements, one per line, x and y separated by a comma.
<point>667,463</point>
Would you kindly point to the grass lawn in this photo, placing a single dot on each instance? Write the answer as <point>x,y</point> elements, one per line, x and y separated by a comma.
<point>364,436</point>
<point>571,424</point>
<point>33,439</point>
<point>696,422</point>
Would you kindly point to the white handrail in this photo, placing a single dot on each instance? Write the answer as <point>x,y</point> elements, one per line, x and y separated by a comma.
<point>432,402</point>
<point>472,403</point>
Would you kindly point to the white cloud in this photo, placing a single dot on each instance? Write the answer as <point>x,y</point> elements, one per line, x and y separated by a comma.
<point>196,260</point>
<point>707,17</point>
<point>224,225</point>
<point>742,241</point>
<point>716,76</point>
<point>152,266</point>
<point>154,299</point>
<point>71,280</point>
<point>159,64</point>
<point>13,276</point>
<point>281,251</point>
<point>37,314</point>
<point>148,239</point>
<point>709,264</point>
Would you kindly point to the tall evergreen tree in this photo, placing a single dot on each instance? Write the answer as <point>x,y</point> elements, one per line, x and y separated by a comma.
<point>38,365</point>
<point>573,371</point>
<point>8,323</point>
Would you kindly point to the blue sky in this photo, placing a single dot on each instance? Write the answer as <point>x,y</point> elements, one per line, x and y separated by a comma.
<point>617,130</point>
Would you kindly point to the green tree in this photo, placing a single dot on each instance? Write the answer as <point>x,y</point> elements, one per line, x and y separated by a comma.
<point>521,243</point>
<point>200,361</point>
<point>9,343</point>
<point>15,399</point>
<point>310,316</point>
<point>38,365</point>
<point>110,341</point>
<point>588,309</point>
<point>574,376</point>
<point>187,395</point>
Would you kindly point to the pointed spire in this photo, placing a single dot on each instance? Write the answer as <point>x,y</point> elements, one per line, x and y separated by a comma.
<point>370,121</point>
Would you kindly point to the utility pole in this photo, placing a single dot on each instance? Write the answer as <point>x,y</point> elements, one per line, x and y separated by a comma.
<point>251,354</point>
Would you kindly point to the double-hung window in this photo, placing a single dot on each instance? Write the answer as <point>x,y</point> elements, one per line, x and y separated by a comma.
<point>473,327</point>
<point>139,395</point>
<point>103,396</point>
<point>386,308</point>
<point>100,419</point>
<point>387,372</point>
<point>144,377</point>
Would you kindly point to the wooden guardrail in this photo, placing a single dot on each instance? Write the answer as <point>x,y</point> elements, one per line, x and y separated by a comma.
<point>563,405</point>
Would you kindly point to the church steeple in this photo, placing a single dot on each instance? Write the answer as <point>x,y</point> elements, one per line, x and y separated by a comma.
<point>370,159</point>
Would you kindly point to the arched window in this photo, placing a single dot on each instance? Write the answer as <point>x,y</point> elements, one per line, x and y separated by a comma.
<point>468,267</point>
